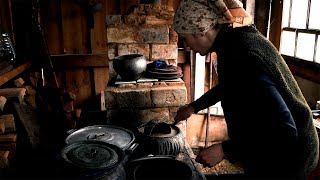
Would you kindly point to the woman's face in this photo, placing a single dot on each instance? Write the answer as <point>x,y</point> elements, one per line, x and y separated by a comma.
<point>200,43</point>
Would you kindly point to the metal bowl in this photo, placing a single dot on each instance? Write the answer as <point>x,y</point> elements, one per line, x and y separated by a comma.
<point>130,67</point>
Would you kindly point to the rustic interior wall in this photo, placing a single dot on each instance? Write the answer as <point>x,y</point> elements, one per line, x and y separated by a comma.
<point>70,29</point>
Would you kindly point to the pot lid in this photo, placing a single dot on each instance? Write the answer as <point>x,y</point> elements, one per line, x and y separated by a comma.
<point>91,154</point>
<point>118,136</point>
<point>156,128</point>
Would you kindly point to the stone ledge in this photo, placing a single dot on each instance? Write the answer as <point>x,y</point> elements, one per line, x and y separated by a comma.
<point>146,95</point>
<point>134,118</point>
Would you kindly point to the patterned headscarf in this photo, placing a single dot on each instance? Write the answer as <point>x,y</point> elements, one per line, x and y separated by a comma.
<point>199,16</point>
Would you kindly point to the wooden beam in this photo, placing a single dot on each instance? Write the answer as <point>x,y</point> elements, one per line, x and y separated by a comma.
<point>101,78</point>
<point>79,60</point>
<point>275,22</point>
<point>306,70</point>
<point>183,56</point>
<point>261,18</point>
<point>187,79</point>
<point>14,72</point>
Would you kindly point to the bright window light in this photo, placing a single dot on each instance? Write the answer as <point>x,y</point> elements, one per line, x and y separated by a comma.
<point>199,84</point>
<point>299,14</point>
<point>285,13</point>
<point>287,43</point>
<point>199,76</point>
<point>314,22</point>
<point>318,51</point>
<point>305,46</point>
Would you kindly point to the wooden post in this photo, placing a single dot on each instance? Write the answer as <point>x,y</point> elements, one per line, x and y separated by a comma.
<point>262,11</point>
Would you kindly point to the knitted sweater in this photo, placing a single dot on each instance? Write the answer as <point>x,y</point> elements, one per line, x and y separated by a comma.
<point>257,125</point>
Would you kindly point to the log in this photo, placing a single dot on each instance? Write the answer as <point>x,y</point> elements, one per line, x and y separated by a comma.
<point>14,93</point>
<point>3,101</point>
<point>7,138</point>
<point>18,82</point>
<point>102,101</point>
<point>4,159</point>
<point>9,124</point>
<point>2,127</point>
<point>29,119</point>
<point>11,147</point>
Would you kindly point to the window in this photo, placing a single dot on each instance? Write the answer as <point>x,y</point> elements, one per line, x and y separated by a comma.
<point>301,30</point>
<point>199,83</point>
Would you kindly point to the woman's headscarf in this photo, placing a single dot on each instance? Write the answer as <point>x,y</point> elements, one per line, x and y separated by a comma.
<point>199,16</point>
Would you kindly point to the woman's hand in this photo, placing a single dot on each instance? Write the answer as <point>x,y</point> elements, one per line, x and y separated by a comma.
<point>183,113</point>
<point>211,155</point>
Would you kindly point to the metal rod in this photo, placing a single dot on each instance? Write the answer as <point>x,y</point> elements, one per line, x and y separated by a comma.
<point>208,109</point>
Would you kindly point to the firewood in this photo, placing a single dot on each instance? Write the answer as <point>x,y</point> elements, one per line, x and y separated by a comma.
<point>2,127</point>
<point>4,159</point>
<point>28,117</point>
<point>18,82</point>
<point>13,93</point>
<point>6,138</point>
<point>8,120</point>
<point>3,101</point>
<point>30,90</point>
<point>11,147</point>
<point>102,101</point>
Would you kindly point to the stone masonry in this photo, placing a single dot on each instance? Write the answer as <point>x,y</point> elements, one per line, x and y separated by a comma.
<point>145,29</point>
<point>138,103</point>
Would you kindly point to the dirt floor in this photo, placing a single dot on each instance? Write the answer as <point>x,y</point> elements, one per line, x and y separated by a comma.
<point>223,168</point>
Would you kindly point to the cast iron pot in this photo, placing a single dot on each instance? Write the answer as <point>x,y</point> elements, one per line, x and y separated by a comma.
<point>157,168</point>
<point>130,67</point>
<point>115,135</point>
<point>160,138</point>
<point>90,159</point>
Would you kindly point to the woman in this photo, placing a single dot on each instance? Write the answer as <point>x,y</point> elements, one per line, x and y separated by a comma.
<point>269,122</point>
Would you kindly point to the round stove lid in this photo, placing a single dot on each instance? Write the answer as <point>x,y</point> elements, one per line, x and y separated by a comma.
<point>156,128</point>
<point>118,136</point>
<point>91,154</point>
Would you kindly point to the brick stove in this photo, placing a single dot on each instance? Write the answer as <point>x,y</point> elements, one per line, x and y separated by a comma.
<point>136,104</point>
<point>146,29</point>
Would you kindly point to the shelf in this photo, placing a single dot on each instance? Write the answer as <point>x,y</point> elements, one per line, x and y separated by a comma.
<point>14,72</point>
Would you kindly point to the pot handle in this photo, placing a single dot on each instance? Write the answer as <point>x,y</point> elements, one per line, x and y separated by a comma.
<point>148,129</point>
<point>132,147</point>
<point>149,157</point>
<point>70,131</point>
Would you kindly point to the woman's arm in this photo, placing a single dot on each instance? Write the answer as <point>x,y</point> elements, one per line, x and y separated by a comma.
<point>208,99</point>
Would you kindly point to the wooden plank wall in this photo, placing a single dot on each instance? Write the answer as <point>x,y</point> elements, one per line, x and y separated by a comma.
<point>65,23</point>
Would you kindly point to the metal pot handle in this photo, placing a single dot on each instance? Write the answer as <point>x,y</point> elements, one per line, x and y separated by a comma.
<point>130,149</point>
<point>148,129</point>
<point>151,156</point>
<point>70,131</point>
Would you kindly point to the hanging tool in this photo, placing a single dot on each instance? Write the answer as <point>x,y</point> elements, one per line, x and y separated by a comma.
<point>43,51</point>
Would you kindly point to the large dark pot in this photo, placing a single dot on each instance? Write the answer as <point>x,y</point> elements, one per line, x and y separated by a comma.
<point>130,67</point>
<point>115,135</point>
<point>157,168</point>
<point>93,160</point>
<point>160,138</point>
